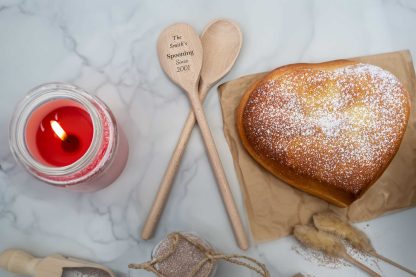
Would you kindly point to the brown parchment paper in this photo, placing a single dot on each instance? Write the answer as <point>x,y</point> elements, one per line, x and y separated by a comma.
<point>273,207</point>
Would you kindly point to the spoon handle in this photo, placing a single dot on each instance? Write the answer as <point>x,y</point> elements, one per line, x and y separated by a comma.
<point>166,185</point>
<point>219,173</point>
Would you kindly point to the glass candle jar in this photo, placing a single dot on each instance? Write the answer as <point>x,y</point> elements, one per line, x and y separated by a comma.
<point>184,258</point>
<point>68,138</point>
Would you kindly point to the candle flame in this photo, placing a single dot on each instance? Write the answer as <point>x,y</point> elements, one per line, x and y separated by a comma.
<point>56,127</point>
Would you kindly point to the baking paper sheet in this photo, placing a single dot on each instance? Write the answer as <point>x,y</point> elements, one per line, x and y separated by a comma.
<point>273,207</point>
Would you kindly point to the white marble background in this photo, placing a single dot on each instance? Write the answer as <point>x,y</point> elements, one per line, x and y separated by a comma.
<point>108,48</point>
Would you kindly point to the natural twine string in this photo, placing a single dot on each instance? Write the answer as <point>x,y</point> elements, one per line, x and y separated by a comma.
<point>210,257</point>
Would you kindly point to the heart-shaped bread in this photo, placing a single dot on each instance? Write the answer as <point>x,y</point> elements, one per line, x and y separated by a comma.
<point>329,129</point>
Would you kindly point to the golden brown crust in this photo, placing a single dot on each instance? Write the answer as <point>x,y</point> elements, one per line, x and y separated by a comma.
<point>323,155</point>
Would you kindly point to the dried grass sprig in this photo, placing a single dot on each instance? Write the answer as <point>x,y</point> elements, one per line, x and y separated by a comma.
<point>327,243</point>
<point>334,224</point>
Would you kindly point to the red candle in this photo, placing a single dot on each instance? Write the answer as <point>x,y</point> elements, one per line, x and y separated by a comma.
<point>68,138</point>
<point>64,135</point>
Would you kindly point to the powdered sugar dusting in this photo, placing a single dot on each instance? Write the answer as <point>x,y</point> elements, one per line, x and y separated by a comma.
<point>339,127</point>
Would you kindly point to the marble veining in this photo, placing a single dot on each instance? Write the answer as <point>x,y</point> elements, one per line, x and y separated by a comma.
<point>109,49</point>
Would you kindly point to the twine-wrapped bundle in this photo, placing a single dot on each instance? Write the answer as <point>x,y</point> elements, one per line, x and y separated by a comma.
<point>203,267</point>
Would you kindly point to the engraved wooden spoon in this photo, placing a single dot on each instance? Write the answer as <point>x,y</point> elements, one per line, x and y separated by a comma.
<point>221,43</point>
<point>180,44</point>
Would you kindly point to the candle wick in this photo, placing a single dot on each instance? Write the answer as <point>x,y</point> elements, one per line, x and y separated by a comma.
<point>70,143</point>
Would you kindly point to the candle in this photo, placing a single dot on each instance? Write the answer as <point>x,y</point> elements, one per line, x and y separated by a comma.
<point>64,136</point>
<point>189,251</point>
<point>185,254</point>
<point>68,138</point>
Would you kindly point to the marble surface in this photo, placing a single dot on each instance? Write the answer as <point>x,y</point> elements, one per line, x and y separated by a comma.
<point>108,48</point>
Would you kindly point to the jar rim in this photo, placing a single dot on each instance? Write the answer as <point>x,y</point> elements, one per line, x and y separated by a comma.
<point>35,98</point>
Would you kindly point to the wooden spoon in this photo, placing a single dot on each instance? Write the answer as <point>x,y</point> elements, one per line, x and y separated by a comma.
<point>180,55</point>
<point>221,43</point>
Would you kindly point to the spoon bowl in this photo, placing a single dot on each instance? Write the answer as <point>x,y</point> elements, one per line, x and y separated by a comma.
<point>180,55</point>
<point>221,42</point>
